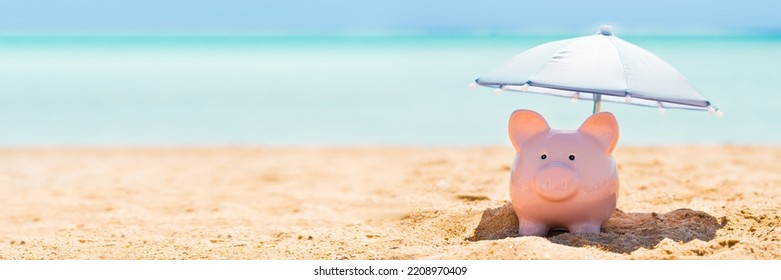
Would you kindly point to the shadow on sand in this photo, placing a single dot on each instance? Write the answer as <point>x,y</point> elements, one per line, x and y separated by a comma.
<point>622,233</point>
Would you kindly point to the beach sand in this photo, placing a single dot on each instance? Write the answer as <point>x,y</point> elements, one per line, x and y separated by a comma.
<point>678,202</point>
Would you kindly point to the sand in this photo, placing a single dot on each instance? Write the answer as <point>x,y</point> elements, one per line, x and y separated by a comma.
<point>681,202</point>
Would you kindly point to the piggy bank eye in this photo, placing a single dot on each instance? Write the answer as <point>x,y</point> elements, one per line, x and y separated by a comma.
<point>544,156</point>
<point>571,157</point>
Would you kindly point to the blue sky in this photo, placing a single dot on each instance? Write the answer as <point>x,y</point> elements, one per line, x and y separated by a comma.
<point>378,17</point>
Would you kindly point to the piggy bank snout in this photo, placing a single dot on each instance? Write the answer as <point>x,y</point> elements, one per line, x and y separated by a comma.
<point>556,182</point>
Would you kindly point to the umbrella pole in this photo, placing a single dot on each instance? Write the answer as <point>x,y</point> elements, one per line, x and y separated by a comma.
<point>597,103</point>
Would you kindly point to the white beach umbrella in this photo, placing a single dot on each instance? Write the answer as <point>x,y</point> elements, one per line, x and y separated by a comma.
<point>598,67</point>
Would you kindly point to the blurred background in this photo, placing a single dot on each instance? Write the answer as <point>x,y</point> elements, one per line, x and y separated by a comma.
<point>349,72</point>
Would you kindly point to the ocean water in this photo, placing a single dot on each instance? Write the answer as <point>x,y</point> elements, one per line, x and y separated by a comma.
<point>343,91</point>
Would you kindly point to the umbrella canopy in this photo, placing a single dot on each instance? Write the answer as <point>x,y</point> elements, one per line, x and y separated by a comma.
<point>598,67</point>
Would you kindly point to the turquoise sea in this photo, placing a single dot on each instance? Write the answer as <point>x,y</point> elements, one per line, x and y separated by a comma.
<point>344,91</point>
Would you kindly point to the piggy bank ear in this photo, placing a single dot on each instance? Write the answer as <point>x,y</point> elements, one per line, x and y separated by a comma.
<point>604,128</point>
<point>524,124</point>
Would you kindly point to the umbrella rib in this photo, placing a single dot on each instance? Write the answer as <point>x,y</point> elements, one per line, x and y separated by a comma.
<point>693,103</point>
<point>623,65</point>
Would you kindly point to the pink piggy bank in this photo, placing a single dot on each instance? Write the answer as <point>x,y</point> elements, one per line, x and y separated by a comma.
<point>563,178</point>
